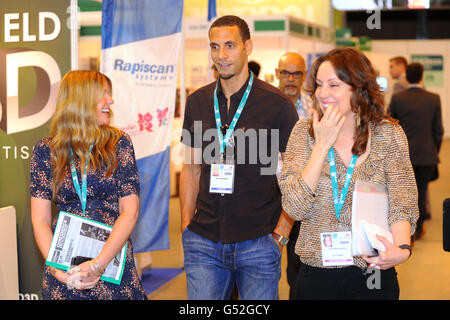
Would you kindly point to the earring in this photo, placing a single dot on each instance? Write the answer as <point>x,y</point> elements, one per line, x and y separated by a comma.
<point>358,120</point>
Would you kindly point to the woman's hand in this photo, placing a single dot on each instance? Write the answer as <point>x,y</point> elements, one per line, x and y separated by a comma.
<point>82,276</point>
<point>392,257</point>
<point>327,129</point>
<point>59,275</point>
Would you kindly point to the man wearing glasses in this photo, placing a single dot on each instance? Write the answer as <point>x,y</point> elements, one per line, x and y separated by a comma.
<point>291,73</point>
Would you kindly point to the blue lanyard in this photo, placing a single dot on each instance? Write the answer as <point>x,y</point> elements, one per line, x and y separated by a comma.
<point>339,201</point>
<point>298,104</point>
<point>223,141</point>
<point>82,193</point>
<point>301,111</point>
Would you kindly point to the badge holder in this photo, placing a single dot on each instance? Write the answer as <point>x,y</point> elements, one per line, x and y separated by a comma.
<point>222,173</point>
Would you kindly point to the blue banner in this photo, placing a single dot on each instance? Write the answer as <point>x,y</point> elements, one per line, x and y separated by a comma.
<point>141,41</point>
<point>212,12</point>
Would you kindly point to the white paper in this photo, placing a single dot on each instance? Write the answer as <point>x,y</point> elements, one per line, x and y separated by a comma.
<point>371,205</point>
<point>371,231</point>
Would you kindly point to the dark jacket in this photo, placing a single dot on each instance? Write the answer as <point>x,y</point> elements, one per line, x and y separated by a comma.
<point>419,113</point>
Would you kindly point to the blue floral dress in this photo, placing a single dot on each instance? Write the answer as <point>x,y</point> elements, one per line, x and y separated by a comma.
<point>103,194</point>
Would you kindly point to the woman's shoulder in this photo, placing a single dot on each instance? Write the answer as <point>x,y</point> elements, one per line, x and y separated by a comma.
<point>300,135</point>
<point>303,124</point>
<point>123,136</point>
<point>43,145</point>
<point>302,129</point>
<point>41,151</point>
<point>123,139</point>
<point>388,135</point>
<point>389,129</point>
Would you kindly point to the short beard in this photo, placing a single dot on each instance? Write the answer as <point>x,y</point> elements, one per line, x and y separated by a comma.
<point>290,92</point>
<point>226,77</point>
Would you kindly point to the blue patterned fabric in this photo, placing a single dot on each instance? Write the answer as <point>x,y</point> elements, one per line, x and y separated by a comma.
<point>103,194</point>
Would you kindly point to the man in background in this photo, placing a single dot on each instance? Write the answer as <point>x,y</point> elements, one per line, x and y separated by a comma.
<point>419,113</point>
<point>397,70</point>
<point>291,73</point>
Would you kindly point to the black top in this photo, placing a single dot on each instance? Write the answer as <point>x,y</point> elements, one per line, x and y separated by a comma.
<point>254,207</point>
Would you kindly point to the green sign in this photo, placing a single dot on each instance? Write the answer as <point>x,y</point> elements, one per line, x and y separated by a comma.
<point>433,66</point>
<point>344,38</point>
<point>34,55</point>
<point>365,43</point>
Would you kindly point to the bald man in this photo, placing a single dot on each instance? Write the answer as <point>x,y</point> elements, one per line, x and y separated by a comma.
<point>291,73</point>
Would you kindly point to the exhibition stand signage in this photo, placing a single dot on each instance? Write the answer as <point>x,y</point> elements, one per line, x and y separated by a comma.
<point>35,53</point>
<point>141,42</point>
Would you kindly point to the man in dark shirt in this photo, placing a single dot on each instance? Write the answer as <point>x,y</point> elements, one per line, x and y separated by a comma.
<point>234,235</point>
<point>419,114</point>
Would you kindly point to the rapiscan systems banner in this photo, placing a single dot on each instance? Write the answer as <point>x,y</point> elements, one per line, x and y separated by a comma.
<point>141,42</point>
<point>34,55</point>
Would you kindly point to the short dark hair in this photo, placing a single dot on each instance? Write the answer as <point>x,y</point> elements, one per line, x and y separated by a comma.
<point>254,67</point>
<point>414,72</point>
<point>400,60</point>
<point>231,21</point>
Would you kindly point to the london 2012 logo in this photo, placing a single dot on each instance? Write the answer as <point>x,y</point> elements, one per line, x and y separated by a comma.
<point>145,120</point>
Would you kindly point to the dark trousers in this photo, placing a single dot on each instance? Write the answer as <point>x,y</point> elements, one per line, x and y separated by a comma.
<point>349,283</point>
<point>293,260</point>
<point>423,176</point>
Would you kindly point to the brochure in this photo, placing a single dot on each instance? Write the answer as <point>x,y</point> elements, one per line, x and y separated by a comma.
<point>78,236</point>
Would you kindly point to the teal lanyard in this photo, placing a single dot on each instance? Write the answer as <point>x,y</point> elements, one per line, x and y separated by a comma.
<point>223,141</point>
<point>339,201</point>
<point>82,192</point>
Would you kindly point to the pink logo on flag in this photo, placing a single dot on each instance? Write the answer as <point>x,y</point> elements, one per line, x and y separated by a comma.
<point>145,122</point>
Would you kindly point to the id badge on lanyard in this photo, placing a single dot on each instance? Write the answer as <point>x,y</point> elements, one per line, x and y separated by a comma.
<point>337,246</point>
<point>222,174</point>
<point>222,178</point>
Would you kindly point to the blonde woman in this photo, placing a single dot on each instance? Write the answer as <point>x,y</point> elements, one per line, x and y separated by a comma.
<point>80,127</point>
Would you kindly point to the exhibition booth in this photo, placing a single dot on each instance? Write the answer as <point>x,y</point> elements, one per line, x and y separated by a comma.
<point>25,116</point>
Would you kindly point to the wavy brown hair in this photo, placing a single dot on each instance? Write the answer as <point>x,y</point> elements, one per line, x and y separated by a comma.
<point>74,125</point>
<point>367,100</point>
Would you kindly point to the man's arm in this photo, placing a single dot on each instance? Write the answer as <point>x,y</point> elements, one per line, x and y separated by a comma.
<point>285,223</point>
<point>189,185</point>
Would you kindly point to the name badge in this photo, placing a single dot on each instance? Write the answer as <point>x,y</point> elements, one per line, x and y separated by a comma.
<point>336,248</point>
<point>222,178</point>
